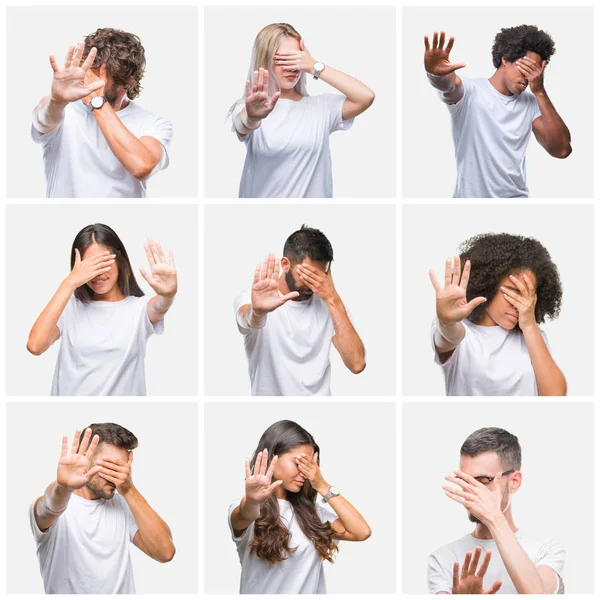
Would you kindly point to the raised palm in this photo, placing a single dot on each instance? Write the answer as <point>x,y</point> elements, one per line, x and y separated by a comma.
<point>437,58</point>
<point>265,287</point>
<point>258,105</point>
<point>69,82</point>
<point>451,301</point>
<point>163,274</point>
<point>471,580</point>
<point>260,484</point>
<point>73,469</point>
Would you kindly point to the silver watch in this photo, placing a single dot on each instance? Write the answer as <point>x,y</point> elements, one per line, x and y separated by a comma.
<point>318,68</point>
<point>330,494</point>
<point>97,102</point>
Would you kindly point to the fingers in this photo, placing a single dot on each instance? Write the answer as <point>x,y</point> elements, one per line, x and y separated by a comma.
<point>75,444</point>
<point>270,265</point>
<point>92,449</point>
<point>470,480</point>
<point>276,268</point>
<point>456,271</point>
<point>93,471</point>
<point>78,55</point>
<point>495,587</point>
<point>85,441</point>
<point>69,56</point>
<point>271,468</point>
<point>64,451</point>
<point>455,575</point>
<point>475,560</point>
<point>442,39</point>
<point>529,284</point>
<point>315,458</point>
<point>464,280</point>
<point>172,258</point>
<point>161,254</point>
<point>448,273</point>
<point>460,482</point>
<point>260,86</point>
<point>426,40</point>
<point>512,301</point>
<point>263,462</point>
<point>258,463</point>
<point>520,285</point>
<point>434,43</point>
<point>485,564</point>
<point>263,274</point>
<point>53,63</point>
<point>90,59</point>
<point>255,82</point>
<point>457,492</point>
<point>154,251</point>
<point>108,477</point>
<point>114,464</point>
<point>149,255</point>
<point>247,468</point>
<point>248,88</point>
<point>256,274</point>
<point>450,45</point>
<point>77,257</point>
<point>465,567</point>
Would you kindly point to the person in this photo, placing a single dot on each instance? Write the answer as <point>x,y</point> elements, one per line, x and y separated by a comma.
<point>486,336</point>
<point>286,131</point>
<point>282,533</point>
<point>87,517</point>
<point>96,141</point>
<point>102,317</point>
<point>488,477</point>
<point>290,320</point>
<point>492,119</point>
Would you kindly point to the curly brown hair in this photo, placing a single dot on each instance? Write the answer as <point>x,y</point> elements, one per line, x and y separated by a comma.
<point>123,55</point>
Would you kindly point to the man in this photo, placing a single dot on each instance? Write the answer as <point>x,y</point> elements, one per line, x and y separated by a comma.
<point>492,119</point>
<point>289,321</point>
<point>96,141</point>
<point>489,476</point>
<point>85,520</point>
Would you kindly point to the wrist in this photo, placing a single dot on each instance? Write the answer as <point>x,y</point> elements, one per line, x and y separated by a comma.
<point>495,521</point>
<point>528,328</point>
<point>69,284</point>
<point>127,490</point>
<point>333,300</point>
<point>541,93</point>
<point>322,487</point>
<point>56,103</point>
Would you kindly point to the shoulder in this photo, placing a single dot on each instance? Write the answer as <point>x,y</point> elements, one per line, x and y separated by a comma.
<point>135,112</point>
<point>448,552</point>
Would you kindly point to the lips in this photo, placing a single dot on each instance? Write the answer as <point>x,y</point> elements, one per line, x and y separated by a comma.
<point>512,316</point>
<point>99,280</point>
<point>299,482</point>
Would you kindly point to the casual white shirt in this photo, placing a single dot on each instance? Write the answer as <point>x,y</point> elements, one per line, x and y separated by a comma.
<point>300,573</point>
<point>288,156</point>
<point>439,569</point>
<point>79,163</point>
<point>489,361</point>
<point>103,348</point>
<point>289,356</point>
<point>491,133</point>
<point>86,550</point>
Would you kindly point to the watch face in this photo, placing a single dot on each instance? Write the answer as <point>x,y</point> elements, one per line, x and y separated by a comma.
<point>333,491</point>
<point>319,67</point>
<point>97,101</point>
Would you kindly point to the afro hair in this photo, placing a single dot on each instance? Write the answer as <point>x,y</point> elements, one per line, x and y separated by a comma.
<point>514,42</point>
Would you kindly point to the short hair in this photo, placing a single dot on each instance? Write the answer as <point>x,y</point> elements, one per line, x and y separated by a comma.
<point>113,434</point>
<point>123,55</point>
<point>310,243</point>
<point>514,42</point>
<point>493,439</point>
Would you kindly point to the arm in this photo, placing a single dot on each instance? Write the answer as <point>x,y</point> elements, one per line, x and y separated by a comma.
<point>440,71</point>
<point>346,341</point>
<point>257,105</point>
<point>153,536</point>
<point>45,330</point>
<point>549,129</point>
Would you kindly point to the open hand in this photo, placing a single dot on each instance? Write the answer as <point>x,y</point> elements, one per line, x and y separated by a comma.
<point>91,77</point>
<point>524,301</point>
<point>437,58</point>
<point>73,470</point>
<point>68,83</point>
<point>309,467</point>
<point>258,105</point>
<point>265,287</point>
<point>319,282</point>
<point>451,301</point>
<point>295,61</point>
<point>163,274</point>
<point>470,582</point>
<point>533,72</point>
<point>90,268</point>
<point>259,484</point>
<point>117,471</point>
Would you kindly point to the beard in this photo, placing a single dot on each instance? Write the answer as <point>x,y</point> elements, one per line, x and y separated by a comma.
<point>111,94</point>
<point>304,291</point>
<point>96,485</point>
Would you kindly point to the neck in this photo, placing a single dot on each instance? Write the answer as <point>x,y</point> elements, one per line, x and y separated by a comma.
<point>487,321</point>
<point>280,493</point>
<point>482,532</point>
<point>86,493</point>
<point>291,94</point>
<point>113,295</point>
<point>497,80</point>
<point>120,103</point>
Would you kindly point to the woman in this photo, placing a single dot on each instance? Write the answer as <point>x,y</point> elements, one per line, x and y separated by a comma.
<point>102,317</point>
<point>285,130</point>
<point>486,336</point>
<point>283,534</point>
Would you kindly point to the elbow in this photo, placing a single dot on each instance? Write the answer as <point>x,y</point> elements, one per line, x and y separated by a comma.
<point>563,152</point>
<point>364,534</point>
<point>358,366</point>
<point>142,171</point>
<point>369,99</point>
<point>34,348</point>
<point>166,555</point>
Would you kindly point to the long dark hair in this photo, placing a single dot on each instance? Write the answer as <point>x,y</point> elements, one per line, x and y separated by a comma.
<point>104,235</point>
<point>271,537</point>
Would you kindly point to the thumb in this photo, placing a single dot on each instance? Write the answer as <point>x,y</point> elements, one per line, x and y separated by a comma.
<point>316,458</point>
<point>302,45</point>
<point>471,306</point>
<point>274,99</point>
<point>130,457</point>
<point>93,472</point>
<point>145,275</point>
<point>495,587</point>
<point>289,297</point>
<point>456,66</point>
<point>274,486</point>
<point>77,257</point>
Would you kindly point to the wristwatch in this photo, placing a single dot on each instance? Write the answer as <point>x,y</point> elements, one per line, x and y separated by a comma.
<point>97,102</point>
<point>330,494</point>
<point>318,68</point>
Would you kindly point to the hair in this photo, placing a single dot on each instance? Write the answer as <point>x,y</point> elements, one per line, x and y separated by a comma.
<point>514,42</point>
<point>113,434</point>
<point>271,540</point>
<point>310,243</point>
<point>123,55</point>
<point>104,235</point>
<point>496,255</point>
<point>493,439</point>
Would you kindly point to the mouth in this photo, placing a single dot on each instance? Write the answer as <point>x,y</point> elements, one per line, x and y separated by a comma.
<point>522,85</point>
<point>291,77</point>
<point>98,280</point>
<point>300,483</point>
<point>513,317</point>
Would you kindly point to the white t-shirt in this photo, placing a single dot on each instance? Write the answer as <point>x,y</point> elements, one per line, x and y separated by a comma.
<point>489,361</point>
<point>86,551</point>
<point>103,347</point>
<point>289,356</point>
<point>300,573</point>
<point>288,155</point>
<point>441,562</point>
<point>79,163</point>
<point>491,132</point>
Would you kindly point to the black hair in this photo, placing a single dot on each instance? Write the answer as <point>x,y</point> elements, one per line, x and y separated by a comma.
<point>493,256</point>
<point>310,243</point>
<point>514,42</point>
<point>104,235</point>
<point>493,439</point>
<point>113,434</point>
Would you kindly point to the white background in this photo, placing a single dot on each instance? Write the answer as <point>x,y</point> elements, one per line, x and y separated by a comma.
<point>556,499</point>
<point>169,85</point>
<point>237,238</point>
<point>351,40</point>
<point>358,460</point>
<point>41,263</point>
<point>429,167</point>
<point>431,233</point>
<point>165,471</point>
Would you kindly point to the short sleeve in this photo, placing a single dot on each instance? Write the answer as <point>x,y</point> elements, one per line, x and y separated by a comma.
<point>240,300</point>
<point>552,554</point>
<point>132,526</point>
<point>325,512</point>
<point>245,537</point>
<point>438,579</point>
<point>149,327</point>
<point>160,129</point>
<point>535,107</point>
<point>436,356</point>
<point>237,109</point>
<point>38,535</point>
<point>457,109</point>
<point>65,315</point>
<point>335,104</point>
<point>545,338</point>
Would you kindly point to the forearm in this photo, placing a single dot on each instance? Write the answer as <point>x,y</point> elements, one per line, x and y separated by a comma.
<point>356,91</point>
<point>521,570</point>
<point>248,318</point>
<point>548,377</point>
<point>244,124</point>
<point>159,306</point>
<point>48,114</point>
<point>155,533</point>
<point>448,336</point>
<point>129,150</point>
<point>51,505</point>
<point>347,340</point>
<point>244,515</point>
<point>556,133</point>
<point>450,85</point>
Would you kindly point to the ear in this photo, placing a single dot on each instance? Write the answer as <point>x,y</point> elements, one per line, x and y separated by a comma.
<point>516,479</point>
<point>302,46</point>
<point>504,62</point>
<point>286,265</point>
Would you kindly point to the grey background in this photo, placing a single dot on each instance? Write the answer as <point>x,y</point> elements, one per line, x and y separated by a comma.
<point>360,41</point>
<point>431,233</point>
<point>556,499</point>
<point>428,166</point>
<point>38,248</point>
<point>236,238</point>
<point>359,460</point>
<point>165,468</point>
<point>169,85</point>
